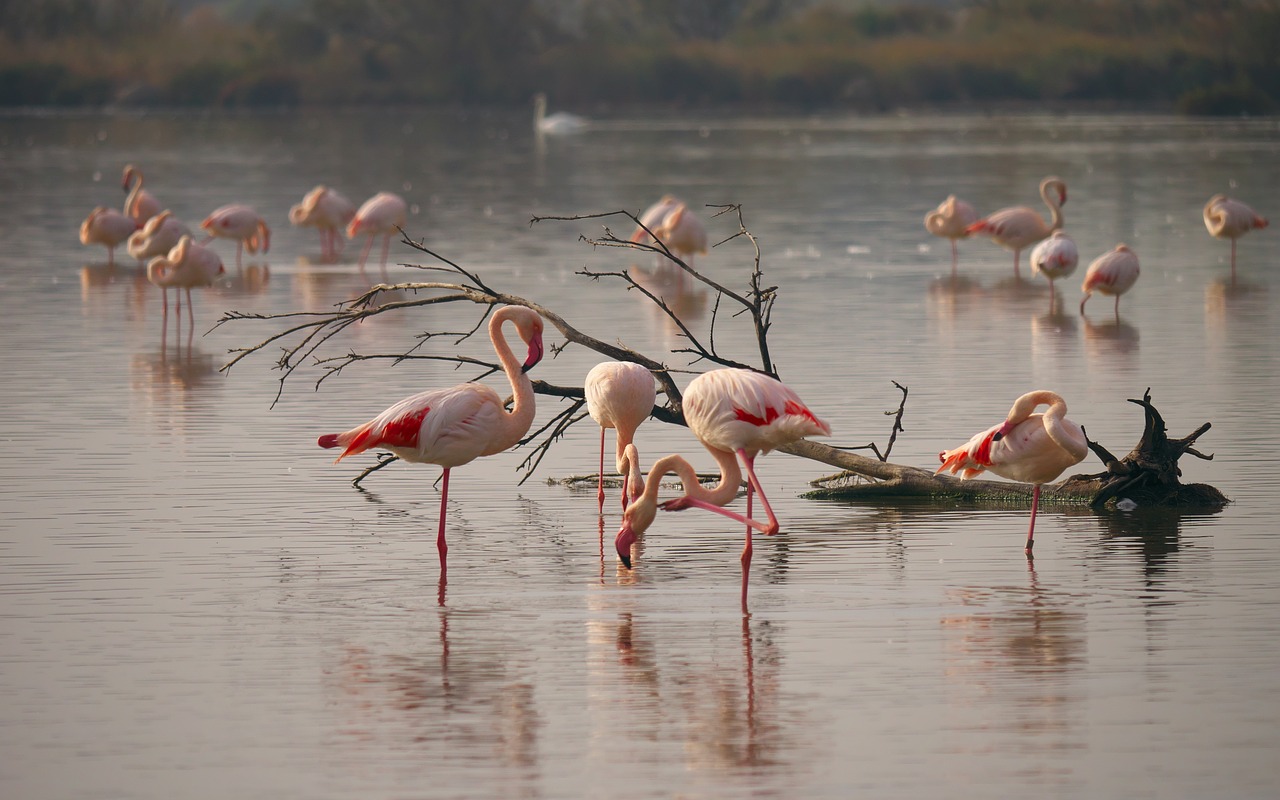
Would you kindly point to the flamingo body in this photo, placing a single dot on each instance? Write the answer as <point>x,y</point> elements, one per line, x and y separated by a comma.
<point>107,227</point>
<point>186,266</point>
<point>139,204</point>
<point>1112,273</point>
<point>620,395</point>
<point>1020,227</point>
<point>452,427</point>
<point>157,237</point>
<point>1055,257</point>
<point>1226,218</point>
<point>951,220</point>
<point>675,225</point>
<point>383,214</point>
<point>1027,447</point>
<point>326,210</point>
<point>240,223</point>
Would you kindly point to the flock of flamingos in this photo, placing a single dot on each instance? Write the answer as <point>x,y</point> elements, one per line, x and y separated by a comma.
<point>735,414</point>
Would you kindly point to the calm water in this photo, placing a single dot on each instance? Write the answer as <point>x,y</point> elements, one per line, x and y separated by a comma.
<point>198,604</point>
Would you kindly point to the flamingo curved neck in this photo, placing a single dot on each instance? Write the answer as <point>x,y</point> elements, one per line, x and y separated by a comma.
<point>518,420</point>
<point>1055,208</point>
<point>720,495</point>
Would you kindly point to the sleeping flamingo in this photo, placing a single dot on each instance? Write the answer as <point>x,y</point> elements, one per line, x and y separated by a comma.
<point>139,204</point>
<point>1230,219</point>
<point>1112,273</point>
<point>676,226</point>
<point>1020,227</point>
<point>1027,447</point>
<point>951,220</point>
<point>452,427</point>
<point>735,414</point>
<point>107,227</point>
<point>1055,257</point>
<point>158,236</point>
<point>384,213</point>
<point>241,223</point>
<point>620,395</point>
<point>187,265</point>
<point>327,210</point>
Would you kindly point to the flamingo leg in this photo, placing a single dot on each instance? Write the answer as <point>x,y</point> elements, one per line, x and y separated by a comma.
<point>1233,261</point>
<point>441,545</point>
<point>749,461</point>
<point>386,248</point>
<point>1016,255</point>
<point>111,256</point>
<point>364,252</point>
<point>600,484</point>
<point>955,257</point>
<point>1031,531</point>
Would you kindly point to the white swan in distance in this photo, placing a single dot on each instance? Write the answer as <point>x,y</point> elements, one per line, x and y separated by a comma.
<point>560,123</point>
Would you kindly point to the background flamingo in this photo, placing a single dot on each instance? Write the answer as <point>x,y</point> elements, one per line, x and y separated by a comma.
<point>384,213</point>
<point>139,203</point>
<point>1020,227</point>
<point>951,220</point>
<point>157,237</point>
<point>328,211</point>
<point>240,223</point>
<point>186,266</point>
<point>452,427</point>
<point>1026,447</point>
<point>620,395</point>
<point>1230,219</point>
<point>676,226</point>
<point>735,414</point>
<point>107,227</point>
<point>1112,273</point>
<point>1055,257</point>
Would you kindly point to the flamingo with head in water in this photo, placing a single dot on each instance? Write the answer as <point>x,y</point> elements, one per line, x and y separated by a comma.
<point>951,220</point>
<point>454,426</point>
<point>1027,447</point>
<point>678,228</point>
<point>1020,227</point>
<point>240,223</point>
<point>107,227</point>
<point>1226,218</point>
<point>1055,257</point>
<point>620,395</point>
<point>1112,273</point>
<point>383,214</point>
<point>328,211</point>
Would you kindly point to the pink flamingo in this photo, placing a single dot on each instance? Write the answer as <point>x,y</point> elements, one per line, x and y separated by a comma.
<point>1112,273</point>
<point>1026,447</point>
<point>951,220</point>
<point>107,227</point>
<point>157,237</point>
<point>452,427</point>
<point>678,228</point>
<point>139,204</point>
<point>1230,219</point>
<point>735,414</point>
<point>620,395</point>
<point>187,265</point>
<point>384,213</point>
<point>1055,257</point>
<point>1020,227</point>
<point>241,223</point>
<point>327,210</point>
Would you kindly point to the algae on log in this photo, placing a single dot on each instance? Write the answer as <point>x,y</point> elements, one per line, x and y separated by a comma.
<point>1148,475</point>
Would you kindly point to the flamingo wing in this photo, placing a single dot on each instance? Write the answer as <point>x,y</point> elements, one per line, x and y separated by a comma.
<point>732,409</point>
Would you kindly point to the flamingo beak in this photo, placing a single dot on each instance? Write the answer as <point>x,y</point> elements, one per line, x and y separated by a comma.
<point>1000,434</point>
<point>626,538</point>
<point>535,353</point>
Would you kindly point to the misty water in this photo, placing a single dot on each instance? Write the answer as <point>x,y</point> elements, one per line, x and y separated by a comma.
<point>198,604</point>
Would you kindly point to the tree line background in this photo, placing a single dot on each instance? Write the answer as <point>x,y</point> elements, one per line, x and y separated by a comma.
<point>1197,57</point>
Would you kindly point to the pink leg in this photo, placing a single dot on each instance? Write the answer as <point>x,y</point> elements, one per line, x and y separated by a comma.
<point>955,257</point>
<point>600,485</point>
<point>386,248</point>
<point>749,461</point>
<point>111,256</point>
<point>324,243</point>
<point>1016,255</point>
<point>1031,532</point>
<point>441,545</point>
<point>364,252</point>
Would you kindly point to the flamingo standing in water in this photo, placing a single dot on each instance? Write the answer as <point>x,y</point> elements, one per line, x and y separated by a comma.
<point>735,414</point>
<point>620,395</point>
<point>384,213</point>
<point>671,221</point>
<point>107,227</point>
<point>1112,273</point>
<point>1020,227</point>
<point>139,204</point>
<point>1026,447</point>
<point>1230,219</point>
<point>452,427</point>
<point>241,223</point>
<point>951,220</point>
<point>327,210</point>
<point>157,237</point>
<point>1055,257</point>
<point>186,266</point>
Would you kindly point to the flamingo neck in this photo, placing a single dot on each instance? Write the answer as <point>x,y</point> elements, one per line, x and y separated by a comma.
<point>518,420</point>
<point>720,495</point>
<point>1029,402</point>
<point>1055,208</point>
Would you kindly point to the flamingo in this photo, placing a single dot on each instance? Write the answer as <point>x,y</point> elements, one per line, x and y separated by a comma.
<point>1055,257</point>
<point>452,427</point>
<point>239,222</point>
<point>620,395</point>
<point>675,226</point>
<point>951,220</point>
<point>384,213</point>
<point>139,204</point>
<point>1027,447</point>
<point>157,237</point>
<point>557,124</point>
<point>1020,227</point>
<point>107,227</point>
<point>327,210</point>
<point>187,265</point>
<point>735,414</point>
<point>1112,273</point>
<point>1230,219</point>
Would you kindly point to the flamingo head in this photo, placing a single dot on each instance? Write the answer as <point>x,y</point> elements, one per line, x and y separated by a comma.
<point>127,178</point>
<point>529,326</point>
<point>635,521</point>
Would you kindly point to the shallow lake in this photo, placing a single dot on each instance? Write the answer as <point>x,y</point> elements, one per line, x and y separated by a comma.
<point>198,604</point>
